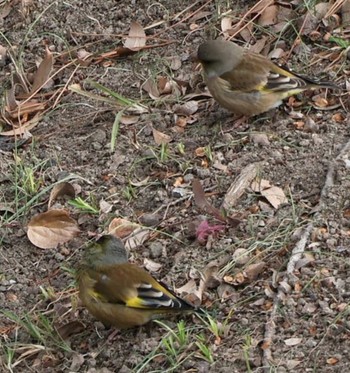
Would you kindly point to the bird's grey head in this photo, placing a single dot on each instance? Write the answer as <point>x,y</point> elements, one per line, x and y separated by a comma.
<point>219,56</point>
<point>107,250</point>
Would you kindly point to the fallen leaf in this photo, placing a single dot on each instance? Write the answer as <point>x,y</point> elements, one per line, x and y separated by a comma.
<point>338,117</point>
<point>226,24</point>
<point>77,361</point>
<point>49,229</point>
<point>202,202</point>
<point>137,238</point>
<point>151,87</point>
<point>41,77</point>
<point>160,137</point>
<point>320,101</point>
<point>129,119</point>
<point>293,341</point>
<point>200,152</point>
<point>136,38</point>
<point>70,328</point>
<point>291,364</point>
<point>121,227</point>
<point>268,16</point>
<point>3,54</point>
<point>260,184</point>
<point>188,108</point>
<point>189,287</point>
<point>151,265</point>
<point>275,196</point>
<point>6,8</point>
<point>252,271</point>
<point>61,189</point>
<point>105,206</point>
<point>191,293</point>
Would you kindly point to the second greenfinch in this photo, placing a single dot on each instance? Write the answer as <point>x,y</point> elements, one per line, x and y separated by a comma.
<point>248,83</point>
<point>119,293</point>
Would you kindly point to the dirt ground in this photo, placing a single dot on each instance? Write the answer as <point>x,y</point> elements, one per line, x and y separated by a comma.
<point>278,294</point>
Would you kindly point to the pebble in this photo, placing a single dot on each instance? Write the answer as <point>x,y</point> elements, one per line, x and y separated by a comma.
<point>150,220</point>
<point>99,136</point>
<point>156,249</point>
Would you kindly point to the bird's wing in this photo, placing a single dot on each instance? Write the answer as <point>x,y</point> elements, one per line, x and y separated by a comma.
<point>132,286</point>
<point>256,73</point>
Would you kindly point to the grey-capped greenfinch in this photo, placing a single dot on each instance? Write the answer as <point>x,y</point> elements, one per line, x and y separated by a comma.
<point>119,293</point>
<point>248,83</point>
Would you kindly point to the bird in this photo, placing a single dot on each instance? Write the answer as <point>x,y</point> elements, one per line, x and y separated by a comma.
<point>247,83</point>
<point>119,293</point>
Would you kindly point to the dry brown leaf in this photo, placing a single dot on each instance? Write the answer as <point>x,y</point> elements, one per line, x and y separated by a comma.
<point>320,101</point>
<point>259,45</point>
<point>160,137</point>
<point>151,87</point>
<point>137,238</point>
<point>49,229</point>
<point>202,202</point>
<point>6,8</point>
<point>188,288</point>
<point>332,360</point>
<point>3,53</point>
<point>136,38</point>
<point>83,54</point>
<point>338,117</point>
<point>129,119</point>
<point>191,293</point>
<point>10,99</point>
<point>276,53</point>
<point>293,341</point>
<point>275,196</point>
<point>252,271</point>
<point>259,185</point>
<point>321,9</point>
<point>200,152</point>
<point>269,16</point>
<point>61,189</point>
<point>165,85</point>
<point>187,109</point>
<point>105,207</point>
<point>41,76</point>
<point>226,24</point>
<point>246,33</point>
<point>70,328</point>
<point>24,128</point>
<point>151,265</point>
<point>299,124</point>
<point>121,227</point>
<point>26,108</point>
<point>260,5</point>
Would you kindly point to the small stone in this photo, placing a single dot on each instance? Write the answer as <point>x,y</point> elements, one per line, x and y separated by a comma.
<point>188,178</point>
<point>150,220</point>
<point>260,139</point>
<point>99,136</point>
<point>241,256</point>
<point>178,192</point>
<point>156,249</point>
